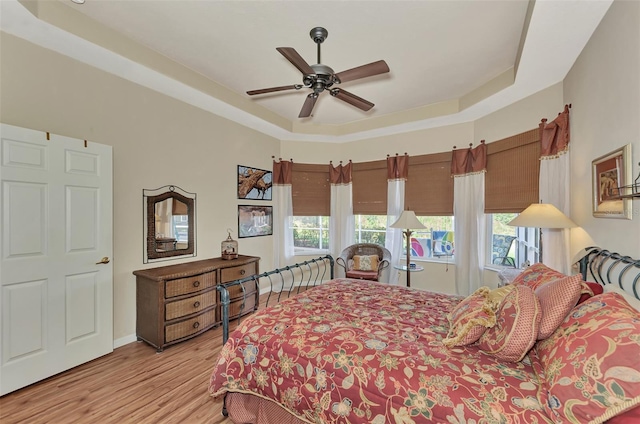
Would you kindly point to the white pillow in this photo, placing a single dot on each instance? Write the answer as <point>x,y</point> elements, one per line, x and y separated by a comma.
<point>614,288</point>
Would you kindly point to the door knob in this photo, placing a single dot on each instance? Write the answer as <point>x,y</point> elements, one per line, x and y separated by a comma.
<point>104,261</point>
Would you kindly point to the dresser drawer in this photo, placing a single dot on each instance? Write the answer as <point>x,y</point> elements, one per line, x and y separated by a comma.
<point>236,291</point>
<point>194,304</point>
<point>237,272</point>
<point>188,327</point>
<point>235,306</point>
<point>188,285</point>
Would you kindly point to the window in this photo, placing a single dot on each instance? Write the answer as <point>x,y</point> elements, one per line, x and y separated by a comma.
<point>510,246</point>
<point>181,228</point>
<point>371,229</point>
<point>310,233</point>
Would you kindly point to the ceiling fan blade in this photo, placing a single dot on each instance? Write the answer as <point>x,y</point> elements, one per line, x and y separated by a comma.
<point>368,70</point>
<point>352,99</point>
<point>308,105</point>
<point>273,89</point>
<point>296,60</point>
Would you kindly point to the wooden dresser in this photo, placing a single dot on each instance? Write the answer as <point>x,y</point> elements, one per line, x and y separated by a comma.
<point>177,302</point>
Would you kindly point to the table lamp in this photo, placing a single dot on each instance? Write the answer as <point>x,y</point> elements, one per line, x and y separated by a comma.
<point>542,215</point>
<point>407,221</point>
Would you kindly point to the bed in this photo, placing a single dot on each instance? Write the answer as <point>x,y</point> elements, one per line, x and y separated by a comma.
<point>350,351</point>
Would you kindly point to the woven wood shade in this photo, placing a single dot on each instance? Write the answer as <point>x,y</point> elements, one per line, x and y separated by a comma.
<point>513,171</point>
<point>179,208</point>
<point>429,188</point>
<point>310,190</point>
<point>370,188</point>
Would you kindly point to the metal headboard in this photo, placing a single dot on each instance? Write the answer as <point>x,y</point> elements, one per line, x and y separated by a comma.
<point>607,267</point>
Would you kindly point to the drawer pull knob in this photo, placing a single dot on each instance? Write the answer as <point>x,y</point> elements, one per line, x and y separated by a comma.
<point>196,284</point>
<point>196,324</point>
<point>242,272</point>
<point>197,304</point>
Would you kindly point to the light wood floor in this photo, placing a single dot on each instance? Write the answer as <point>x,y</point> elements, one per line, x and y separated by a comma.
<point>134,384</point>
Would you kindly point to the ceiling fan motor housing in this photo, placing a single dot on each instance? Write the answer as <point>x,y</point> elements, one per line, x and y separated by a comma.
<point>320,77</point>
<point>318,35</point>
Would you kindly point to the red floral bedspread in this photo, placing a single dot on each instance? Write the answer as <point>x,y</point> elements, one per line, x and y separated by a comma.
<point>351,351</point>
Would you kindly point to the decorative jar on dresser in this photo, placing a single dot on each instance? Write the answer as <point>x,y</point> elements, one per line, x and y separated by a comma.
<point>177,302</point>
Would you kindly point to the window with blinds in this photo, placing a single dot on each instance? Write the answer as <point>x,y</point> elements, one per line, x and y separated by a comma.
<point>370,188</point>
<point>429,188</point>
<point>310,190</point>
<point>513,170</point>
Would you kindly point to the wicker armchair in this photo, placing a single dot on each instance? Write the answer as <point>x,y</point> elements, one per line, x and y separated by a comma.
<point>346,262</point>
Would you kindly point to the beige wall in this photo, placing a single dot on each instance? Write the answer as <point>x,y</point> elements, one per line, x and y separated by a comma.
<point>156,141</point>
<point>604,88</point>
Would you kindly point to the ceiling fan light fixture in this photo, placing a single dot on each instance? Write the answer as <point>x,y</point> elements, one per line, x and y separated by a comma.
<point>319,77</point>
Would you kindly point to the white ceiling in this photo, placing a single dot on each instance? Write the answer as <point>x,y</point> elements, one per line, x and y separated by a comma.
<point>440,53</point>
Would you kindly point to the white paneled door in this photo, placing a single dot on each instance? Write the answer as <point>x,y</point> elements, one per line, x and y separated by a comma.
<point>56,275</point>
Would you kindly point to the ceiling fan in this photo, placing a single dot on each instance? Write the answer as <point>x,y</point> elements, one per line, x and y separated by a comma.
<point>320,77</point>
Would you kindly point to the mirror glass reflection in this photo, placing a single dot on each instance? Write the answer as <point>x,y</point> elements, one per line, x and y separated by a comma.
<point>169,223</point>
<point>172,225</point>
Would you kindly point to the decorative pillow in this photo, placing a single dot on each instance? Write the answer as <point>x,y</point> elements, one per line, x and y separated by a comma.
<point>365,262</point>
<point>557,299</point>
<point>590,367</point>
<point>469,319</point>
<point>517,324</point>
<point>589,289</point>
<point>632,301</point>
<point>537,275</point>
<point>496,295</point>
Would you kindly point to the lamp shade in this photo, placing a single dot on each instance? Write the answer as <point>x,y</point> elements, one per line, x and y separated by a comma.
<point>581,242</point>
<point>407,220</point>
<point>542,215</point>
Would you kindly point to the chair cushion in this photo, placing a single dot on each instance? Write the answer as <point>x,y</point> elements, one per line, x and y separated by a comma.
<point>365,263</point>
<point>363,275</point>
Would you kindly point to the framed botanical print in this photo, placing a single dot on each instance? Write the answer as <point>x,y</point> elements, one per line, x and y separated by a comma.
<point>611,176</point>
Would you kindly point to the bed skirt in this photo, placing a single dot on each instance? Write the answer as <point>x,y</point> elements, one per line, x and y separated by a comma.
<point>251,409</point>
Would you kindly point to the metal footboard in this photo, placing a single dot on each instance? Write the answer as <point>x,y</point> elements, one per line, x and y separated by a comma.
<point>288,280</point>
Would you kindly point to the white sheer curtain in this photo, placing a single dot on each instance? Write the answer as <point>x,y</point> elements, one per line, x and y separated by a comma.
<point>555,188</point>
<point>468,167</point>
<point>469,231</point>
<point>164,224</point>
<point>341,225</point>
<point>397,173</point>
<point>283,249</point>
<point>393,238</point>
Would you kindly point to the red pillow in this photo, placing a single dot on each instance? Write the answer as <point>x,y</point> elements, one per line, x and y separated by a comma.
<point>469,319</point>
<point>537,275</point>
<point>517,325</point>
<point>589,289</point>
<point>557,299</point>
<point>590,366</point>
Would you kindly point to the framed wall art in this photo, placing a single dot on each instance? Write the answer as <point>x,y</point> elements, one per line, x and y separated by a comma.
<point>255,221</point>
<point>254,183</point>
<point>611,176</point>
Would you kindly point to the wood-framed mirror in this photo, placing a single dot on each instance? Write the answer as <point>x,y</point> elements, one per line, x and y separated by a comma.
<point>169,223</point>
